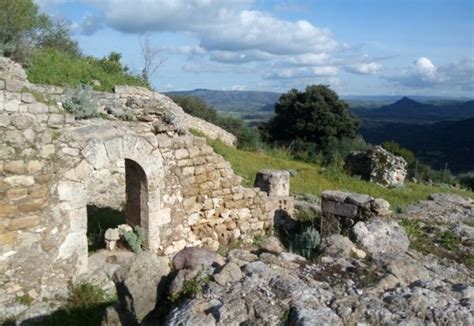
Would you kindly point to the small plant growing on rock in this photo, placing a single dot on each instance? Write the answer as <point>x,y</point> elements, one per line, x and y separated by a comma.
<point>81,103</point>
<point>135,238</point>
<point>25,300</point>
<point>169,117</point>
<point>306,243</point>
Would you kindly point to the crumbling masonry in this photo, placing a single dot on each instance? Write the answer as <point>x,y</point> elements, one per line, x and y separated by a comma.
<point>53,166</point>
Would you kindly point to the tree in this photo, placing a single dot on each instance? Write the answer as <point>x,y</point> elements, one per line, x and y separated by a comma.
<point>19,20</point>
<point>315,116</point>
<point>152,60</point>
<point>23,29</point>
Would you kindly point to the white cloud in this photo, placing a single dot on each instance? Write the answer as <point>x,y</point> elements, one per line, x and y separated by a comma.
<point>301,72</point>
<point>239,88</point>
<point>369,68</point>
<point>219,25</point>
<point>423,73</point>
<point>91,24</point>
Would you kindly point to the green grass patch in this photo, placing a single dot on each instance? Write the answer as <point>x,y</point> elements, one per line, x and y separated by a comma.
<point>52,67</point>
<point>313,178</point>
<point>426,239</point>
<point>85,306</point>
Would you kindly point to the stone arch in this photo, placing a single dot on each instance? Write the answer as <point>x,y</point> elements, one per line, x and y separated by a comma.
<point>76,190</point>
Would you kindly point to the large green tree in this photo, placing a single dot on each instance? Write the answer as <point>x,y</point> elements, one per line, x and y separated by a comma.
<point>315,116</point>
<point>23,28</point>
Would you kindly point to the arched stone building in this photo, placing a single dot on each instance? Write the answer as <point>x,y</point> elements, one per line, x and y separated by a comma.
<point>52,167</point>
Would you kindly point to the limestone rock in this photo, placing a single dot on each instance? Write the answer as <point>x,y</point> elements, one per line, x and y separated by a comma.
<point>137,283</point>
<point>191,313</point>
<point>229,274</point>
<point>272,244</point>
<point>196,258</point>
<point>306,316</point>
<point>241,257</point>
<point>379,236</point>
<point>336,245</point>
<point>379,166</point>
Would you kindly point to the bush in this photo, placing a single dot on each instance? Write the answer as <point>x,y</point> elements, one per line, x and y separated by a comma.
<point>81,103</point>
<point>467,180</point>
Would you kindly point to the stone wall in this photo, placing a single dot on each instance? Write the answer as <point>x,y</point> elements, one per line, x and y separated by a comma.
<point>52,166</point>
<point>116,103</point>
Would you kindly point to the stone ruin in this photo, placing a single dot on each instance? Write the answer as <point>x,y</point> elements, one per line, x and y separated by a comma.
<point>53,167</point>
<point>379,166</point>
<point>342,210</point>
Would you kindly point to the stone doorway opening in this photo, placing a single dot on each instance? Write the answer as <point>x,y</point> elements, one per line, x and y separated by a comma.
<point>136,194</point>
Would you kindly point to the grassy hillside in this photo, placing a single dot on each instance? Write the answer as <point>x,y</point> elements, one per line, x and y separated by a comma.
<point>314,179</point>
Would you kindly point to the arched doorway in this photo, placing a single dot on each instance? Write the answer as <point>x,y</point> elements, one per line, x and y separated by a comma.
<point>136,191</point>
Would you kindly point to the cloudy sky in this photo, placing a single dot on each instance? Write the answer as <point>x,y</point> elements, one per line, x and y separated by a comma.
<point>358,47</point>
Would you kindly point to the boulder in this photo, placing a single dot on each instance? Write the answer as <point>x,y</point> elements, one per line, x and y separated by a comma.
<point>379,166</point>
<point>272,244</point>
<point>229,274</point>
<point>308,316</point>
<point>241,257</point>
<point>337,246</point>
<point>192,313</point>
<point>381,236</point>
<point>137,283</point>
<point>196,258</point>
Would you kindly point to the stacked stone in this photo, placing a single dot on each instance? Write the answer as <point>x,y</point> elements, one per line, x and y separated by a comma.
<point>379,166</point>
<point>52,167</point>
<point>342,210</point>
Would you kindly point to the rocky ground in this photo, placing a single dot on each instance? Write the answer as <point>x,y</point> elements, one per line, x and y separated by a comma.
<point>379,275</point>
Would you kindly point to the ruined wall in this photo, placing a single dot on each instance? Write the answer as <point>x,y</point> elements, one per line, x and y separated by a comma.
<point>52,167</point>
<point>116,103</point>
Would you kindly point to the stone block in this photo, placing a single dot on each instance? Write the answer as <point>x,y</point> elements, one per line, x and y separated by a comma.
<point>340,209</point>
<point>23,222</point>
<point>20,181</point>
<point>14,167</point>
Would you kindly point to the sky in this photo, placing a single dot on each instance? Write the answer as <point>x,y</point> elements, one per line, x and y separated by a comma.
<point>357,47</point>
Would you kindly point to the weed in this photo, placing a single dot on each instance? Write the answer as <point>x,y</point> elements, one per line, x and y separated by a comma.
<point>135,238</point>
<point>191,288</point>
<point>305,243</point>
<point>81,103</point>
<point>258,240</point>
<point>25,299</point>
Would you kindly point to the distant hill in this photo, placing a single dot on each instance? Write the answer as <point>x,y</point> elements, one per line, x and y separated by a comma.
<point>235,101</point>
<point>409,110</point>
<point>449,142</point>
<point>255,104</point>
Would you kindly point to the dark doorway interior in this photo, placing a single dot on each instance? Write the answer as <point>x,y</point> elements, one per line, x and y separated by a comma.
<point>136,189</point>
<point>99,219</point>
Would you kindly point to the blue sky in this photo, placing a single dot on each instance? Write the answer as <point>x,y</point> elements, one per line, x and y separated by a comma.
<point>358,47</point>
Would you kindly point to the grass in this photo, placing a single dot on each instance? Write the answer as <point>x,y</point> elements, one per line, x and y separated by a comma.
<point>427,240</point>
<point>52,67</point>
<point>85,307</point>
<point>313,179</point>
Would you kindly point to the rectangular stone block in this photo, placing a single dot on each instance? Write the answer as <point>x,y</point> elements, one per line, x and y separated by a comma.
<point>23,222</point>
<point>337,208</point>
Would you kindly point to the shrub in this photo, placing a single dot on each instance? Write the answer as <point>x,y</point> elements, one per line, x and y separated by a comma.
<point>84,295</point>
<point>306,243</point>
<point>467,180</point>
<point>81,103</point>
<point>135,238</point>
